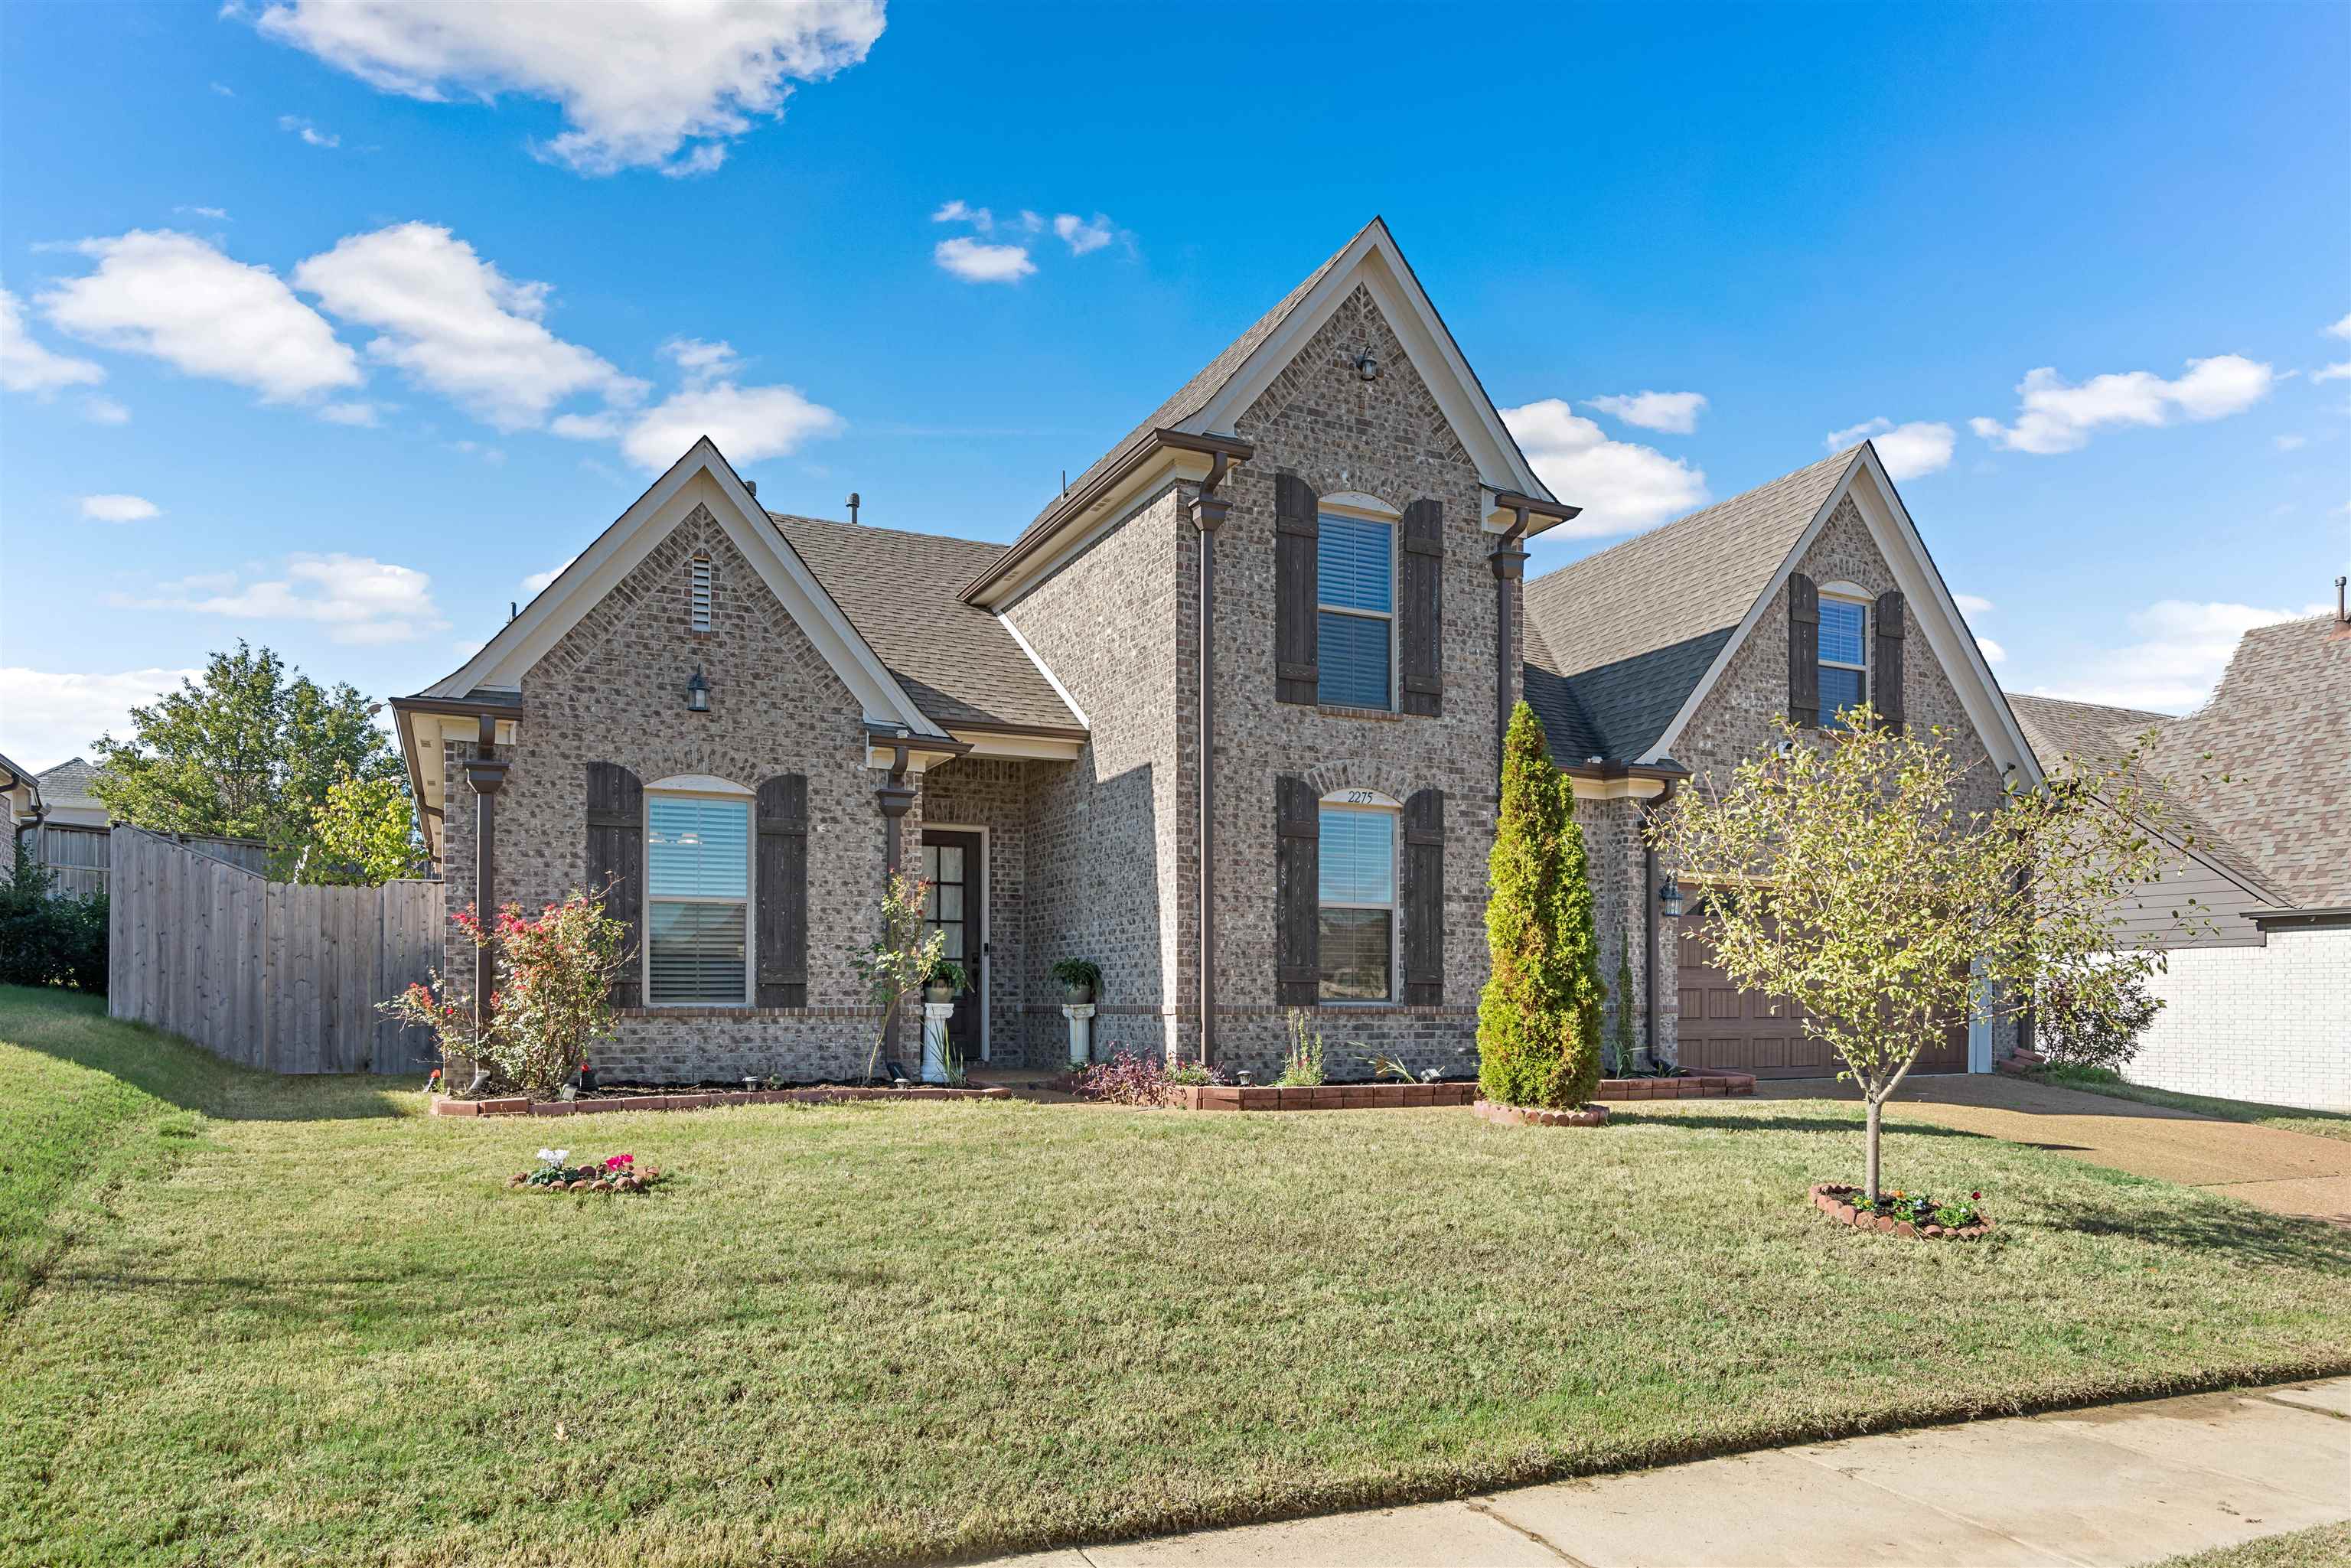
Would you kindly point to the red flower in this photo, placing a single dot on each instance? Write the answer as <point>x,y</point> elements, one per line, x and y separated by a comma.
<point>1977,1196</point>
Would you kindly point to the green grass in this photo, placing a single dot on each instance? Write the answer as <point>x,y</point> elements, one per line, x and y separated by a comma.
<point>2325,1546</point>
<point>327,1331</point>
<point>2292,1118</point>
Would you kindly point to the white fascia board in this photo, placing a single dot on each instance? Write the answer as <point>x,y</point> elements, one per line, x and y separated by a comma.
<point>703,478</point>
<point>1045,747</point>
<point>1375,262</point>
<point>1044,669</point>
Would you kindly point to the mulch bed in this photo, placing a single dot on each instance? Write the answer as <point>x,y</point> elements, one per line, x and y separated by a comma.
<point>1535,1117</point>
<point>707,1100</point>
<point>1836,1202</point>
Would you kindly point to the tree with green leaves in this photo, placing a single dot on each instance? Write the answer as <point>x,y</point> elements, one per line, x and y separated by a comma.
<point>1620,1033</point>
<point>1847,878</point>
<point>363,835</point>
<point>250,750</point>
<point>1539,1017</point>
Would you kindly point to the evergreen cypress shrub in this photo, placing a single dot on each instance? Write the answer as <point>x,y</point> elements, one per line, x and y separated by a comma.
<point>1620,1035</point>
<point>1539,1018</point>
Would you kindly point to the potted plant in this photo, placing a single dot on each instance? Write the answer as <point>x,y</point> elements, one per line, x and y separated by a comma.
<point>947,981</point>
<point>1079,978</point>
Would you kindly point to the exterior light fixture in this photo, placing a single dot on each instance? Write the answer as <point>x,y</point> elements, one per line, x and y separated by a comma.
<point>1367,366</point>
<point>1669,897</point>
<point>697,692</point>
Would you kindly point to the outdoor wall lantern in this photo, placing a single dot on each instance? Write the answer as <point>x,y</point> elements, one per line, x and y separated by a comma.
<point>1367,366</point>
<point>1670,897</point>
<point>697,692</point>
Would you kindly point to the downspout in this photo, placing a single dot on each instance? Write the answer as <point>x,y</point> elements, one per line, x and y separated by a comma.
<point>896,798</point>
<point>1649,923</point>
<point>1208,512</point>
<point>40,807</point>
<point>1509,561</point>
<point>485,770</point>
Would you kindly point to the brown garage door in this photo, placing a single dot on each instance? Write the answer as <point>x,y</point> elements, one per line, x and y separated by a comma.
<point>1723,1026</point>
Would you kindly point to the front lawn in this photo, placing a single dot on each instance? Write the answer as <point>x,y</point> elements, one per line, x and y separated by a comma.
<point>331,1333</point>
<point>2290,1118</point>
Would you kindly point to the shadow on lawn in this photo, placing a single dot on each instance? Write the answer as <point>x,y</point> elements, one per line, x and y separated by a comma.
<point>72,1028</point>
<point>1633,1114</point>
<point>2237,1231</point>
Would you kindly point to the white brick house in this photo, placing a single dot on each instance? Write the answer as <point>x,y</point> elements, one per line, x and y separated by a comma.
<point>1224,718</point>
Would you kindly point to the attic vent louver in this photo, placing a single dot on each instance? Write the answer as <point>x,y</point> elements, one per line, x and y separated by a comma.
<point>701,593</point>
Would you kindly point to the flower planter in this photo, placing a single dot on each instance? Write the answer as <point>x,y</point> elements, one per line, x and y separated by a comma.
<point>1836,1202</point>
<point>444,1106</point>
<point>1536,1116</point>
<point>1078,995</point>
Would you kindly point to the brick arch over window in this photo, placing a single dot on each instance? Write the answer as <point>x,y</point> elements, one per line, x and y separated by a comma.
<point>1360,773</point>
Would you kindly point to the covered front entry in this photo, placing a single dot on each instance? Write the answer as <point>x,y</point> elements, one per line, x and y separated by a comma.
<point>1723,1026</point>
<point>954,863</point>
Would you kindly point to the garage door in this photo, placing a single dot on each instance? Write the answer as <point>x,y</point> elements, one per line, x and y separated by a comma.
<point>1724,1026</point>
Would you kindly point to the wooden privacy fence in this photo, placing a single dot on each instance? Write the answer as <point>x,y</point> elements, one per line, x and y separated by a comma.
<point>270,974</point>
<point>78,855</point>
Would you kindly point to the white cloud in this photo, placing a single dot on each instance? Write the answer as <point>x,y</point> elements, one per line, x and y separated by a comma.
<point>1992,652</point>
<point>49,716</point>
<point>218,214</point>
<point>1673,412</point>
<point>358,413</point>
<point>2289,441</point>
<point>456,324</point>
<point>1620,485</point>
<point>2181,650</point>
<point>119,508</point>
<point>307,131</point>
<point>2341,328</point>
<point>962,212</point>
<point>1908,451</point>
<point>642,85</point>
<point>224,90</point>
<point>973,262</point>
<point>1080,234</point>
<point>358,600</point>
<point>2336,372</point>
<point>104,410</point>
<point>174,296</point>
<point>1972,603</point>
<point>537,581</point>
<point>26,367</point>
<point>748,423</point>
<point>2056,416</point>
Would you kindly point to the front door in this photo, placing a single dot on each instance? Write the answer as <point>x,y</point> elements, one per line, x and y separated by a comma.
<point>952,866</point>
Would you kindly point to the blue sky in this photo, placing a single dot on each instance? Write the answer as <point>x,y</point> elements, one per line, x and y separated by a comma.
<point>330,329</point>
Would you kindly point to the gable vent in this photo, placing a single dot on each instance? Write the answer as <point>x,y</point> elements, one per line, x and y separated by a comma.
<point>701,593</point>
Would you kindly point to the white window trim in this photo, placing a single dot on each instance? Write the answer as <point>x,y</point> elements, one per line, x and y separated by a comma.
<point>1848,593</point>
<point>1356,506</point>
<point>1372,802</point>
<point>733,794</point>
<point>987,870</point>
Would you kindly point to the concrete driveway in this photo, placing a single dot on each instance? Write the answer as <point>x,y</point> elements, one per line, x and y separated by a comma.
<point>2287,1173</point>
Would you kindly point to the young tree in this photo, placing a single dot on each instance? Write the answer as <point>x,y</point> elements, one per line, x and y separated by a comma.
<point>362,835</point>
<point>1847,878</point>
<point>895,964</point>
<point>249,751</point>
<point>1539,1018</point>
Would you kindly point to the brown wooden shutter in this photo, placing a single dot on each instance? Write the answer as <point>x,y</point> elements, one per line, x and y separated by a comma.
<point>1424,899</point>
<point>1420,610</point>
<point>782,891</point>
<point>1295,538</point>
<point>1803,650</point>
<point>1885,695</point>
<point>616,865</point>
<point>1298,878</point>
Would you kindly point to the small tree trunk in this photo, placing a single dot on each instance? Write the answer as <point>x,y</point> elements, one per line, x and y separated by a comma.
<point>1871,1180</point>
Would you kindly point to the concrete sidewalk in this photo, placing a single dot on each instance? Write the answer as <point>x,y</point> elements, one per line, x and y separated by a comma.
<point>2119,1484</point>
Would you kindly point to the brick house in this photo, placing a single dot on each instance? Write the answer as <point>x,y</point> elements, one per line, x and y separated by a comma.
<point>1224,718</point>
<point>2257,819</point>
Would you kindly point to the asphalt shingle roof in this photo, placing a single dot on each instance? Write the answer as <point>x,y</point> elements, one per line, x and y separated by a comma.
<point>1616,642</point>
<point>70,781</point>
<point>899,590</point>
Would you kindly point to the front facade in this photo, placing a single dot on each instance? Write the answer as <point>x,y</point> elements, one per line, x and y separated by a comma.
<point>1225,720</point>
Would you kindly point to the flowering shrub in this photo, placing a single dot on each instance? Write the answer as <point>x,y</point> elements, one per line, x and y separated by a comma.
<point>1127,1079</point>
<point>1917,1209</point>
<point>614,1173</point>
<point>552,999</point>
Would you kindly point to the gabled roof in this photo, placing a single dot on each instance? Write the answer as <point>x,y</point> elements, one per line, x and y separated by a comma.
<point>1627,634</point>
<point>961,662</point>
<point>71,781</point>
<point>2094,735</point>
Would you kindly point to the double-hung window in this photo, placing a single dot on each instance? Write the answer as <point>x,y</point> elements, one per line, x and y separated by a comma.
<point>697,900</point>
<point>1844,656</point>
<point>1357,865</point>
<point>1355,620</point>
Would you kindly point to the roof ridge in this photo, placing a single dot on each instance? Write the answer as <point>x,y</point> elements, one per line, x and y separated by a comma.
<point>879,528</point>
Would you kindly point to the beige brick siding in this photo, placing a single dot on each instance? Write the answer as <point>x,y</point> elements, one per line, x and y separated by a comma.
<point>613,690</point>
<point>999,795</point>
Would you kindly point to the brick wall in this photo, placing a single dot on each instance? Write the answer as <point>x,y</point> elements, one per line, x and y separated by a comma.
<point>2269,1024</point>
<point>999,795</point>
<point>613,690</point>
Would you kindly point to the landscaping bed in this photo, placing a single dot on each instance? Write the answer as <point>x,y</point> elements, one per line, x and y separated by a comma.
<point>1325,1096</point>
<point>708,1100</point>
<point>1843,1205</point>
<point>1542,1116</point>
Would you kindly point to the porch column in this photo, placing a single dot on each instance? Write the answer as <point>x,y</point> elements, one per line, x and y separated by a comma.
<point>1208,513</point>
<point>485,770</point>
<point>896,798</point>
<point>1509,561</point>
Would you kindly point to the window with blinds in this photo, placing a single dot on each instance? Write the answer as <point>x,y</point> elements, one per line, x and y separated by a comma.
<point>1355,621</point>
<point>1356,865</point>
<point>697,900</point>
<point>702,593</point>
<point>1844,656</point>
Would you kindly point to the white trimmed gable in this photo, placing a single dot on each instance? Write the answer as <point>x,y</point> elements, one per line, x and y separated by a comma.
<point>703,478</point>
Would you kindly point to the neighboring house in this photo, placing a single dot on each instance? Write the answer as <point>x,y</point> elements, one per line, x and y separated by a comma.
<point>72,841</point>
<point>2256,830</point>
<point>20,799</point>
<point>736,720</point>
<point>1662,663</point>
<point>69,789</point>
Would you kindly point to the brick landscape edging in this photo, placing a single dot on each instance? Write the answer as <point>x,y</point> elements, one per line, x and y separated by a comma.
<point>1536,1116</point>
<point>1689,1086</point>
<point>1325,1096</point>
<point>1832,1200</point>
<point>517,1106</point>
